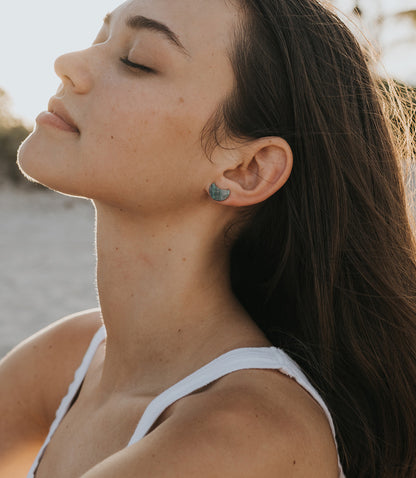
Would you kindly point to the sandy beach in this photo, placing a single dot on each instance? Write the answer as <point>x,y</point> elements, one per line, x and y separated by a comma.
<point>47,260</point>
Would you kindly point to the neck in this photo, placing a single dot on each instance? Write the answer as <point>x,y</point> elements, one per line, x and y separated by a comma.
<point>165,297</point>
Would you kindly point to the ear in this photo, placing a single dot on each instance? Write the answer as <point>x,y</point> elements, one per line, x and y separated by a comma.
<point>261,168</point>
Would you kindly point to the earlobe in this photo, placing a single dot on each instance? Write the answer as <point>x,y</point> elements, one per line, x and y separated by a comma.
<point>265,166</point>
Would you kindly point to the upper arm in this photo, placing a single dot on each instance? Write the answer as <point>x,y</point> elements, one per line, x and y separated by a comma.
<point>34,377</point>
<point>233,436</point>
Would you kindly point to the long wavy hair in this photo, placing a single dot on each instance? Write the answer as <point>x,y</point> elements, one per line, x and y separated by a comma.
<point>326,266</point>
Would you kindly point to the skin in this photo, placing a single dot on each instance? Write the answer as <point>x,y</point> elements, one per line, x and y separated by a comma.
<point>162,270</point>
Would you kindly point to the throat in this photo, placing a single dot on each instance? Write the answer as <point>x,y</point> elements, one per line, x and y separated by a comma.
<point>165,298</point>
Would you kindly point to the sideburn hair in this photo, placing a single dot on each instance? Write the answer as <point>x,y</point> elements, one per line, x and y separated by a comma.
<point>326,266</point>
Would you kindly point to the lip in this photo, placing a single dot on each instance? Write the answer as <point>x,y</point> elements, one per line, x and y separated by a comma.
<point>58,117</point>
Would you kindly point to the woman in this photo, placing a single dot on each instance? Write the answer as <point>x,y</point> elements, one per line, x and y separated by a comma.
<point>248,196</point>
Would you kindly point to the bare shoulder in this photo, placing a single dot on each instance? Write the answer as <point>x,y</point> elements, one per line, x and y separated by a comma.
<point>37,372</point>
<point>34,377</point>
<point>249,424</point>
<point>269,423</point>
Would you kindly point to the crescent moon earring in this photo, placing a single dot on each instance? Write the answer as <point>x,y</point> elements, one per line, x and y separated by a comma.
<point>218,194</point>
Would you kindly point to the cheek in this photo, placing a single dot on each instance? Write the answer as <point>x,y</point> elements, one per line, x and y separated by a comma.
<point>147,131</point>
<point>153,118</point>
<point>151,149</point>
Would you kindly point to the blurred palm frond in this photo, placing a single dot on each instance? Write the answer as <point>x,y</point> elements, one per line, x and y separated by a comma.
<point>411,14</point>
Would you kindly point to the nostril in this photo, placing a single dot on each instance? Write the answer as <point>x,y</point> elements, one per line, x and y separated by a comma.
<point>68,79</point>
<point>74,71</point>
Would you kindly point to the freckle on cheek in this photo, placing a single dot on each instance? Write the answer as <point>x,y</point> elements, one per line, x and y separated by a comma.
<point>181,100</point>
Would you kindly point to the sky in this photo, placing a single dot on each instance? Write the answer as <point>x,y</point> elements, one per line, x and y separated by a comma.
<point>33,33</point>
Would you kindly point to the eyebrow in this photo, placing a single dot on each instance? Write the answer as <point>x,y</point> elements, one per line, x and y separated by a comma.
<point>139,22</point>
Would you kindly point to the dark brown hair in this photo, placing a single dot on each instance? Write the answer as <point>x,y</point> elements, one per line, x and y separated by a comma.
<point>326,266</point>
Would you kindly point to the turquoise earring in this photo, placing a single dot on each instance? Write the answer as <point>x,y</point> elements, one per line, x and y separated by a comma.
<point>218,194</point>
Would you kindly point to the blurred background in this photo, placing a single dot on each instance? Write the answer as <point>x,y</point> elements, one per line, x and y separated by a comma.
<point>46,239</point>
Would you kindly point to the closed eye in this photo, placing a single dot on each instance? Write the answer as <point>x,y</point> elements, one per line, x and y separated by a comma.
<point>137,66</point>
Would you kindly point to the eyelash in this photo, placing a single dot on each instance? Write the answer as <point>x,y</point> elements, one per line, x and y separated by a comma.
<point>143,68</point>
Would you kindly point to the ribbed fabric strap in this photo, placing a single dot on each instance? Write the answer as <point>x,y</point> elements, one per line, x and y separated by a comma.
<point>239,359</point>
<point>69,397</point>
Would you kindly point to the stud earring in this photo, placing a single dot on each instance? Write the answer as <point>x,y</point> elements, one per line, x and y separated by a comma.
<point>218,194</point>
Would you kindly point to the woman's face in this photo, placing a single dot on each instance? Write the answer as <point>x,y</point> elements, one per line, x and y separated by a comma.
<point>138,139</point>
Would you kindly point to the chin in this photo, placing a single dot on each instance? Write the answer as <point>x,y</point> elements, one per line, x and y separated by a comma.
<point>40,165</point>
<point>25,159</point>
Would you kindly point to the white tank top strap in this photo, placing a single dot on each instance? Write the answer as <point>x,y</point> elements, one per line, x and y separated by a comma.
<point>237,359</point>
<point>72,391</point>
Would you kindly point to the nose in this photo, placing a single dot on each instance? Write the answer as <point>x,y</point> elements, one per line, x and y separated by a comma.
<point>75,71</point>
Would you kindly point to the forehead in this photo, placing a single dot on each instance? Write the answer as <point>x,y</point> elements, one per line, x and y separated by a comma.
<point>203,26</point>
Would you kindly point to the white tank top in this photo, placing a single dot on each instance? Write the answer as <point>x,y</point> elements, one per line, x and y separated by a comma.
<point>238,359</point>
